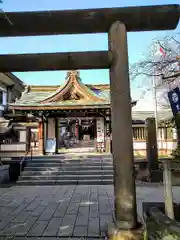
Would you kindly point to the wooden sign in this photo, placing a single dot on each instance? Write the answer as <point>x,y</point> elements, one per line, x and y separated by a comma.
<point>51,145</point>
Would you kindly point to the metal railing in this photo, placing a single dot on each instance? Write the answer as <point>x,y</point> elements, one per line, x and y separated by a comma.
<point>24,158</point>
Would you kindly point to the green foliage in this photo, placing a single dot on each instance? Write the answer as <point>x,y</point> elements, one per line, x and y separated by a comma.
<point>176,152</point>
<point>177,120</point>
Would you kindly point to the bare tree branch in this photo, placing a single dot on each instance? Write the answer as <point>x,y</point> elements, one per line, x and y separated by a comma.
<point>165,67</point>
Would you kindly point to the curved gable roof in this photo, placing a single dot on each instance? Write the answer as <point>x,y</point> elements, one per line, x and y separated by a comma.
<point>74,88</point>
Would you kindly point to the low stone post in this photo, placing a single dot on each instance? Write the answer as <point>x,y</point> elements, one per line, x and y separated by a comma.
<point>168,196</point>
<point>151,144</point>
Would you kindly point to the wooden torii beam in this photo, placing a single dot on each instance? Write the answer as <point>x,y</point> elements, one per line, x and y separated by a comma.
<point>54,61</point>
<point>141,18</point>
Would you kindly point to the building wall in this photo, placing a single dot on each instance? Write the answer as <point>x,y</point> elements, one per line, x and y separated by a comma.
<point>10,89</point>
<point>165,147</point>
<point>8,148</point>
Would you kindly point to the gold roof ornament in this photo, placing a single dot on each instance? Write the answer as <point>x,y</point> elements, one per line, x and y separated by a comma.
<point>73,73</point>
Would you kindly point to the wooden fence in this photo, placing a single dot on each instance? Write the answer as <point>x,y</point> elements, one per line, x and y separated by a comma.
<point>139,133</point>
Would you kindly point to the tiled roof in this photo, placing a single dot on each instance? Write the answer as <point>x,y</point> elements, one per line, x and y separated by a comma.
<point>34,98</point>
<point>48,95</point>
<point>142,115</point>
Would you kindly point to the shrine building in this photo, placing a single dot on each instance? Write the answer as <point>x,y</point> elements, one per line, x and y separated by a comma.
<point>73,115</point>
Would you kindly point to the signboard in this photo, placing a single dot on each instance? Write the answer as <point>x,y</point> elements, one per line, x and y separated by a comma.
<point>51,145</point>
<point>100,130</point>
<point>174,100</point>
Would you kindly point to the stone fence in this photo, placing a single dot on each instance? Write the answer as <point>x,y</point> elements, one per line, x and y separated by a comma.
<point>162,219</point>
<point>159,226</point>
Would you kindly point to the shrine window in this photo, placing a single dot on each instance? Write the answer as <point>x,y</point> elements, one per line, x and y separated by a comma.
<point>34,137</point>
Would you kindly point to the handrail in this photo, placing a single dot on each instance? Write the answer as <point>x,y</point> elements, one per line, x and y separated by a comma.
<point>22,161</point>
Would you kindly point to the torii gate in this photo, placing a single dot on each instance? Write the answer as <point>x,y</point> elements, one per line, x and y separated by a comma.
<point>115,21</point>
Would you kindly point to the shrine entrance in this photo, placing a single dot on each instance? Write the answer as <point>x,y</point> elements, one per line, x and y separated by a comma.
<point>76,134</point>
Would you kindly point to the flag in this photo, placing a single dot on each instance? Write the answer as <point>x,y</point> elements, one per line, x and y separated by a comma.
<point>158,50</point>
<point>161,50</point>
<point>174,100</point>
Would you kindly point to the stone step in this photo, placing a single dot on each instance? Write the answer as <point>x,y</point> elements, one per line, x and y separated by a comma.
<point>72,156</point>
<point>75,161</point>
<point>65,182</point>
<point>64,164</point>
<point>64,168</point>
<point>67,172</point>
<point>67,177</point>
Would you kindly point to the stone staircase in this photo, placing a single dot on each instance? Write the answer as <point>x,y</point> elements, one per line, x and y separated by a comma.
<point>82,146</point>
<point>56,170</point>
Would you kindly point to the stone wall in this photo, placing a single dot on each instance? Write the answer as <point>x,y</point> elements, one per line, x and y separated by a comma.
<point>159,226</point>
<point>19,147</point>
<point>4,173</point>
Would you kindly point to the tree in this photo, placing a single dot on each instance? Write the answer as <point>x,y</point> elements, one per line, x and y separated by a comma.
<point>162,60</point>
<point>163,63</point>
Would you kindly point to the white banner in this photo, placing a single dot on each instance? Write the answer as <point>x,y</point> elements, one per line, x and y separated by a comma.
<point>51,145</point>
<point>100,129</point>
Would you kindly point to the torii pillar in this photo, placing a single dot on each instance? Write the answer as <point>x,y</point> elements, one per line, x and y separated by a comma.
<point>122,144</point>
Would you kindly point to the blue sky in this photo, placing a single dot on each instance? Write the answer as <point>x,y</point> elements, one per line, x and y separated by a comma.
<point>138,43</point>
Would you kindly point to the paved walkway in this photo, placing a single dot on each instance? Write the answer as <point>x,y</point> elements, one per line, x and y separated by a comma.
<point>63,211</point>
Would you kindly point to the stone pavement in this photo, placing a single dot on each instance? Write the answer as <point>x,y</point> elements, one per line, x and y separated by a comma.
<point>48,212</point>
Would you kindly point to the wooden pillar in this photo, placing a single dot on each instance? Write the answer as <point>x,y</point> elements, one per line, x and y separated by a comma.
<point>45,126</point>
<point>57,137</point>
<point>151,144</point>
<point>41,138</point>
<point>122,145</point>
<point>77,131</point>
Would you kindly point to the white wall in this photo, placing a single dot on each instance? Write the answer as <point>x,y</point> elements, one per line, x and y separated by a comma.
<point>166,145</point>
<point>23,136</point>
<point>12,147</point>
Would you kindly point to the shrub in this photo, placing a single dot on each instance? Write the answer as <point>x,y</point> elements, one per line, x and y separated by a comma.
<point>176,152</point>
